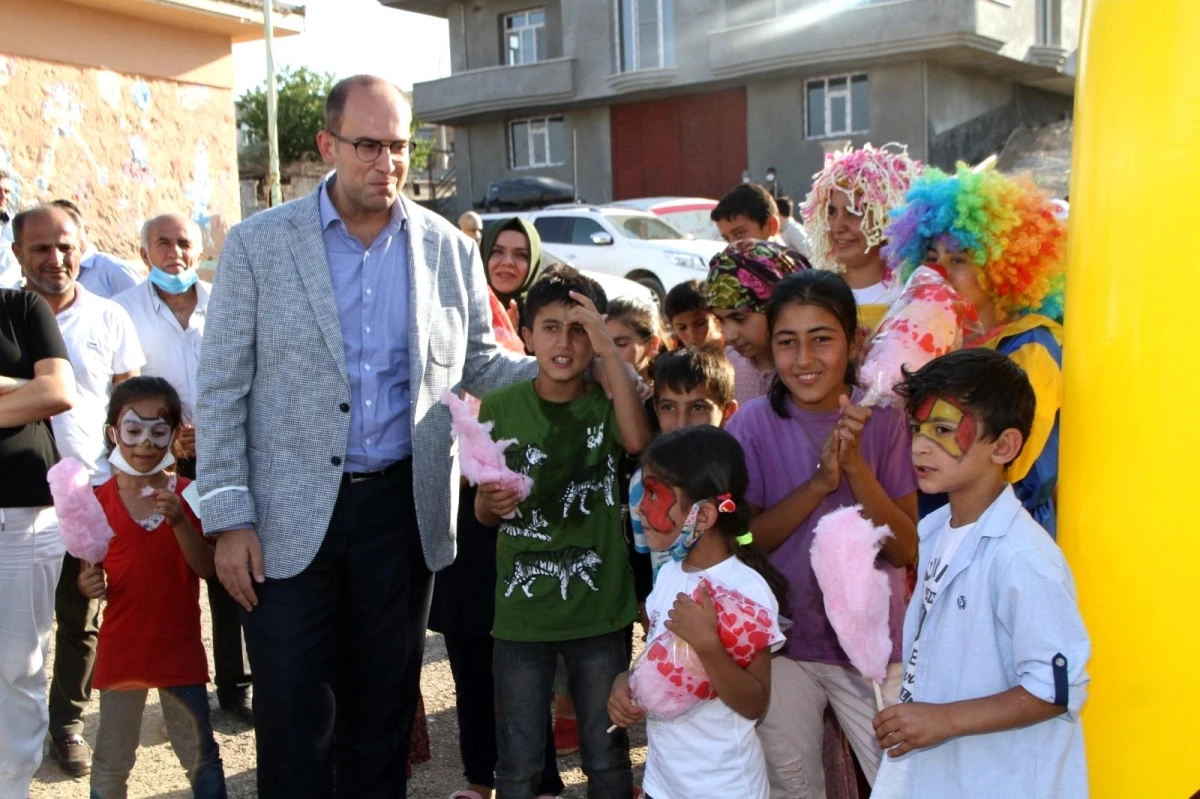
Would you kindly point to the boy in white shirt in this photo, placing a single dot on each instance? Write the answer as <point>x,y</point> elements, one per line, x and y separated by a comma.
<point>994,676</point>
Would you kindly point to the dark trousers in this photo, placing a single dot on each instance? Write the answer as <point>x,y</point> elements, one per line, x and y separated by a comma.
<point>524,675</point>
<point>231,669</point>
<point>336,652</point>
<point>74,652</point>
<point>475,705</point>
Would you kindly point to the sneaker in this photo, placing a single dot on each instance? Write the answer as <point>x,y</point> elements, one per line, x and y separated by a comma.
<point>73,755</point>
<point>566,736</point>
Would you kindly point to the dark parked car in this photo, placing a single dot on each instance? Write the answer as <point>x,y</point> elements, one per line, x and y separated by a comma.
<point>517,194</point>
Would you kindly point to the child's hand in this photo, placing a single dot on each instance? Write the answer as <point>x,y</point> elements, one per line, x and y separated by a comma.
<point>90,580</point>
<point>695,622</point>
<point>499,501</point>
<point>514,314</point>
<point>912,725</point>
<point>849,431</point>
<point>586,316</point>
<point>168,505</point>
<point>829,470</point>
<point>623,711</point>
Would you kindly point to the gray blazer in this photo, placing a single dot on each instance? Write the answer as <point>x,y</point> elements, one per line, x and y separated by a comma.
<point>272,380</point>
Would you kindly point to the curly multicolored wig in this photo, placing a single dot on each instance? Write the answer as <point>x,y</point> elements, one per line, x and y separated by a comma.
<point>1006,224</point>
<point>874,181</point>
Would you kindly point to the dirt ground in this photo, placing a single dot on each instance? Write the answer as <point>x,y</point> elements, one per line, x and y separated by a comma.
<point>158,774</point>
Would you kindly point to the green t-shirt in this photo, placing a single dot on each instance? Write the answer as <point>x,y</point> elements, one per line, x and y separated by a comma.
<point>562,567</point>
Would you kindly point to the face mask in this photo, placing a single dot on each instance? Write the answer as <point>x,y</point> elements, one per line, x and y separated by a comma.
<point>173,284</point>
<point>117,459</point>
<point>688,536</point>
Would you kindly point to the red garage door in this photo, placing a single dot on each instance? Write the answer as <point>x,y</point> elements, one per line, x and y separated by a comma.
<point>693,146</point>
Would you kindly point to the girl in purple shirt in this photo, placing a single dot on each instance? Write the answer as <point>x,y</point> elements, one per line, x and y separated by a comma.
<point>810,450</point>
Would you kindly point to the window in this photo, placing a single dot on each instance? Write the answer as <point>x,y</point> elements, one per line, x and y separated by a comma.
<point>553,229</point>
<point>538,142</point>
<point>836,106</point>
<point>584,229</point>
<point>525,37</point>
<point>645,34</point>
<point>1047,22</point>
<point>644,228</point>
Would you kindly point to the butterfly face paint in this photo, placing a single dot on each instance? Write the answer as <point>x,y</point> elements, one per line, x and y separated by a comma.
<point>946,424</point>
<point>655,508</point>
<point>134,429</point>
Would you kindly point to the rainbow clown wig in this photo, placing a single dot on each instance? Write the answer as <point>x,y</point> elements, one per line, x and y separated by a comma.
<point>1007,225</point>
<point>874,181</point>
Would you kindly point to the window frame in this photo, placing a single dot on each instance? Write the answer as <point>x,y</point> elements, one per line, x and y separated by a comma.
<point>849,95</point>
<point>544,133</point>
<point>505,32</point>
<point>634,24</point>
<point>1048,22</point>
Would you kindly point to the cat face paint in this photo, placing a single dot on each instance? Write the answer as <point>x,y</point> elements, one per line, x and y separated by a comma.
<point>655,508</point>
<point>946,424</point>
<point>134,429</point>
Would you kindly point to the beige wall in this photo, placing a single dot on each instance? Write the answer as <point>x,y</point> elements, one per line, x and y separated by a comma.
<point>122,142</point>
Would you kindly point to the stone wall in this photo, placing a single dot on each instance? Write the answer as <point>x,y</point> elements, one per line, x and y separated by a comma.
<point>122,147</point>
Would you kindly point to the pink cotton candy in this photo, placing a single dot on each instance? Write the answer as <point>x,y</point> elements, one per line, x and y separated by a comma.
<point>926,321</point>
<point>81,521</point>
<point>481,458</point>
<point>857,593</point>
<point>668,679</point>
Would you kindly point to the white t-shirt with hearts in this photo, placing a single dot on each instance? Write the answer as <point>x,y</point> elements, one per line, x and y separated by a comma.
<point>711,750</point>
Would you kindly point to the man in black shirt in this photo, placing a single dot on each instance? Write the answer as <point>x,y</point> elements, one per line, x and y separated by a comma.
<point>36,382</point>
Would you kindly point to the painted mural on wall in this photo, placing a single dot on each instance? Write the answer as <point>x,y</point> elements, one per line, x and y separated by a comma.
<point>122,147</point>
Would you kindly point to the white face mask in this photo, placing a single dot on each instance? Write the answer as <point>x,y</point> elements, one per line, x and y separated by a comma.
<point>117,459</point>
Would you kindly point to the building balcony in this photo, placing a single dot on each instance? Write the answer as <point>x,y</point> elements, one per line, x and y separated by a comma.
<point>825,33</point>
<point>478,93</point>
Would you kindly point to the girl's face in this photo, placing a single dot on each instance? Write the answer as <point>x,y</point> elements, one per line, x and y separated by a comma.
<point>746,332</point>
<point>661,511</point>
<point>142,433</point>
<point>961,271</point>
<point>811,354</point>
<point>635,351</point>
<point>508,262</point>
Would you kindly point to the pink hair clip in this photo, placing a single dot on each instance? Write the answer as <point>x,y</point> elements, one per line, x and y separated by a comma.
<point>725,504</point>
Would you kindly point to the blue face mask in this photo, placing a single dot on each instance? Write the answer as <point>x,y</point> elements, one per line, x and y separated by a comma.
<point>688,536</point>
<point>173,284</point>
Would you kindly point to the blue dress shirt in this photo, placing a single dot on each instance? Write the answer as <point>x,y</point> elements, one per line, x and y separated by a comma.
<point>370,287</point>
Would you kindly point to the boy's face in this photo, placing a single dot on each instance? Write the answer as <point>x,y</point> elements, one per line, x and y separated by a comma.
<point>745,331</point>
<point>677,410</point>
<point>742,227</point>
<point>696,328</point>
<point>563,350</point>
<point>948,451</point>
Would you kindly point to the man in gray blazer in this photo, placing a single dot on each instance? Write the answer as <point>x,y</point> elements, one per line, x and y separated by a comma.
<point>325,468</point>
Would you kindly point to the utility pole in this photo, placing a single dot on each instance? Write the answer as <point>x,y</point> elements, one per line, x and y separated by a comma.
<point>276,194</point>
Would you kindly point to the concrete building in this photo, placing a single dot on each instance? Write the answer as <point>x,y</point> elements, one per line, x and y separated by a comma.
<point>126,108</point>
<point>632,98</point>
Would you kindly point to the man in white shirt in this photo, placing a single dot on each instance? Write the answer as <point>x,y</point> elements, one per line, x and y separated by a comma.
<point>102,346</point>
<point>10,270</point>
<point>100,273</point>
<point>790,230</point>
<point>168,310</point>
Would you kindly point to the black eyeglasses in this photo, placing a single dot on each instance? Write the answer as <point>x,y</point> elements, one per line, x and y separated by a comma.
<point>368,150</point>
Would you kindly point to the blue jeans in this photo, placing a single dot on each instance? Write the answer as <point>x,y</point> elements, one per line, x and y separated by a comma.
<point>185,710</point>
<point>524,675</point>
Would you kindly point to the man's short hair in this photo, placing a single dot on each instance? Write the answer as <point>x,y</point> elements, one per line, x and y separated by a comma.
<point>555,287</point>
<point>149,224</point>
<point>20,220</point>
<point>335,103</point>
<point>784,204</point>
<point>689,368</point>
<point>746,199</point>
<point>71,208</point>
<point>988,384</point>
<point>685,298</point>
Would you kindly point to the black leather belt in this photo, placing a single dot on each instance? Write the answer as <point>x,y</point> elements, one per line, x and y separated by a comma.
<point>358,477</point>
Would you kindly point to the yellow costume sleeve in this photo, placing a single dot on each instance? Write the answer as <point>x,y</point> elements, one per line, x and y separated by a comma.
<point>1046,377</point>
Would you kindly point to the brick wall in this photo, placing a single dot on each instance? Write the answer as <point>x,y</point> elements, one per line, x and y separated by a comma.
<point>122,147</point>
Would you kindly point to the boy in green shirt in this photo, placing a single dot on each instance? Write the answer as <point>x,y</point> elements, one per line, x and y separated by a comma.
<point>564,585</point>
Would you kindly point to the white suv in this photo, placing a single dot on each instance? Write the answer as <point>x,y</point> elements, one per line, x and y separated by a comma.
<point>622,242</point>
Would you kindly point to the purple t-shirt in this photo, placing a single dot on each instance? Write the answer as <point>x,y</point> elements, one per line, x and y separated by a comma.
<point>781,454</point>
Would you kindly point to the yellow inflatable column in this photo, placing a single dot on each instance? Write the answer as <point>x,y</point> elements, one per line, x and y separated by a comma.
<point>1130,457</point>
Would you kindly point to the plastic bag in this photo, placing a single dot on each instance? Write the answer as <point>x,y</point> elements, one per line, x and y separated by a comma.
<point>927,320</point>
<point>668,680</point>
